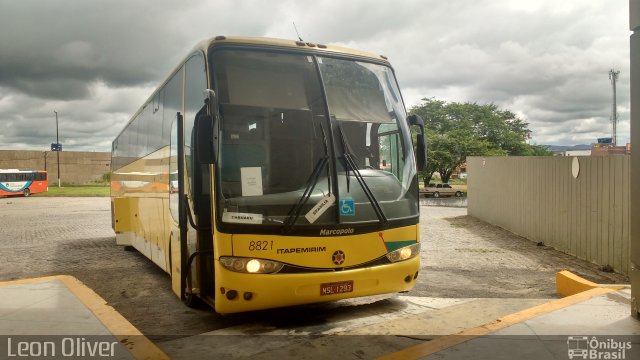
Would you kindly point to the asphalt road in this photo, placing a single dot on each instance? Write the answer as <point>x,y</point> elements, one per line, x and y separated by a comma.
<point>461,258</point>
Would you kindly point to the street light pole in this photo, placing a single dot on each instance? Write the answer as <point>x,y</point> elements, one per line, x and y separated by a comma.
<point>57,142</point>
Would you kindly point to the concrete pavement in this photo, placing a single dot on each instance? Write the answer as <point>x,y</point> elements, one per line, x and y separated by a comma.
<point>59,317</point>
<point>595,321</point>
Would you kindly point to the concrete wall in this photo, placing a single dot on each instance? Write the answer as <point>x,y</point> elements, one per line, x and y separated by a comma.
<point>538,198</point>
<point>444,201</point>
<point>75,167</point>
<point>634,25</point>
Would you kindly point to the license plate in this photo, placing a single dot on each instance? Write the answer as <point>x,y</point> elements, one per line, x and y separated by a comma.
<point>336,288</point>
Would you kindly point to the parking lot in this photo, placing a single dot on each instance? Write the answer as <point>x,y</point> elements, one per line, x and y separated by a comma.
<point>461,258</point>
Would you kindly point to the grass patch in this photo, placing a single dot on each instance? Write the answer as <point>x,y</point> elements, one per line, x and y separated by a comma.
<point>86,191</point>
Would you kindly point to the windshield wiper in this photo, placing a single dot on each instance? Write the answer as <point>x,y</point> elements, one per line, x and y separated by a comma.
<point>350,164</point>
<point>295,211</point>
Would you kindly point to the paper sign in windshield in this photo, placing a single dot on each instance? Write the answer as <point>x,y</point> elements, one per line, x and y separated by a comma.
<point>320,208</point>
<point>251,179</point>
<point>242,218</point>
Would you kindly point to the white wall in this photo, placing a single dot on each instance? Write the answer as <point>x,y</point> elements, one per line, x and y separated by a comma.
<point>538,198</point>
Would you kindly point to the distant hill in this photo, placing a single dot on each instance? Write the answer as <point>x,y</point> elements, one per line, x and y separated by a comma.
<point>567,148</point>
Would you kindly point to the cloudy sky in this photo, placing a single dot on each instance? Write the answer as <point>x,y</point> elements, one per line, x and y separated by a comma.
<point>95,62</point>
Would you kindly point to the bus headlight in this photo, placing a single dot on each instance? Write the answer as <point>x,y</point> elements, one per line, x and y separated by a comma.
<point>404,253</point>
<point>251,266</point>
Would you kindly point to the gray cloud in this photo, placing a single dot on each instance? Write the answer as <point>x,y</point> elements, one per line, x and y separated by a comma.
<point>56,49</point>
<point>97,61</point>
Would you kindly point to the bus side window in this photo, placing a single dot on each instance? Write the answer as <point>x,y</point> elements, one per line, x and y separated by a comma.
<point>389,146</point>
<point>155,123</point>
<point>172,105</point>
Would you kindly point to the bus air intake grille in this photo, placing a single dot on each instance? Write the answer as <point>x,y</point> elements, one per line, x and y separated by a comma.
<point>293,269</point>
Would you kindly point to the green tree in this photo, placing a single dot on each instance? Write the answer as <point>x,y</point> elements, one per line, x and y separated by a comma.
<point>457,130</point>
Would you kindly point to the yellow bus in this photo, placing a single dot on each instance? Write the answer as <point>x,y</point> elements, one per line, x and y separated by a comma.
<point>265,173</point>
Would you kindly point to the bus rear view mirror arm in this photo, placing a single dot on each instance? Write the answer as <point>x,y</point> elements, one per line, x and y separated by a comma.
<point>212,99</point>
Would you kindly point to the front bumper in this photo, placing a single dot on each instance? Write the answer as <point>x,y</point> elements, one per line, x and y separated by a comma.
<point>278,290</point>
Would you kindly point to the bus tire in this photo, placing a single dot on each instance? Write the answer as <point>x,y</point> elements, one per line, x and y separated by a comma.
<point>26,192</point>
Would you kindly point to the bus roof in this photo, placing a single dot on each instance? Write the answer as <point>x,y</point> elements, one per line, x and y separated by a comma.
<point>292,44</point>
<point>19,171</point>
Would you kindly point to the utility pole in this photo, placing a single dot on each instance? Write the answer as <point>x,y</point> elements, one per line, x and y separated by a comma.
<point>58,145</point>
<point>613,76</point>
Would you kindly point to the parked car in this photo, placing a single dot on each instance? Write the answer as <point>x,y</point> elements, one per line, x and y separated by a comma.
<point>442,189</point>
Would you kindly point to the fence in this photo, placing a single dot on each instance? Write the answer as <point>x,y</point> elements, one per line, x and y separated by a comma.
<point>540,199</point>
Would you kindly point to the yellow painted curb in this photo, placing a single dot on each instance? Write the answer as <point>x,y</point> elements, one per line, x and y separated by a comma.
<point>430,347</point>
<point>133,340</point>
<point>29,281</point>
<point>574,289</point>
<point>568,283</point>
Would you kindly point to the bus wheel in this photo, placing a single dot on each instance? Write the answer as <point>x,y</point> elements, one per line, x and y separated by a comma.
<point>27,192</point>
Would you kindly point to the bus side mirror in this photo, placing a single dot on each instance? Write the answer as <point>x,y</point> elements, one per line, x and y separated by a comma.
<point>203,134</point>
<point>421,143</point>
<point>203,128</point>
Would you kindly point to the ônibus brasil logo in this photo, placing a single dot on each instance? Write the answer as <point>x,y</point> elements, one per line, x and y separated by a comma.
<point>581,347</point>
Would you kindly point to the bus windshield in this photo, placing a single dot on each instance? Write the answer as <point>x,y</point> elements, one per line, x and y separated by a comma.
<point>283,160</point>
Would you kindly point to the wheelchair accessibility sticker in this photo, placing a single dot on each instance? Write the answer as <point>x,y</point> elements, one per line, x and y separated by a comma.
<point>347,207</point>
